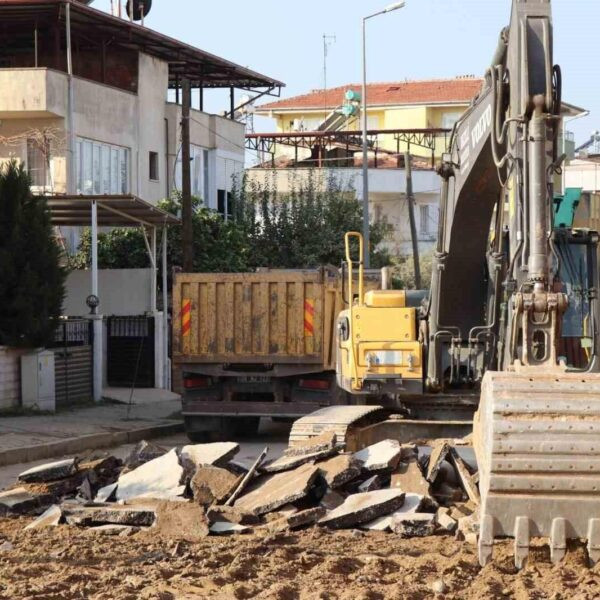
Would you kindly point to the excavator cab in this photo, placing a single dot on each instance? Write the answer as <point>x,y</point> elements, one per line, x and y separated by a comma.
<point>378,350</point>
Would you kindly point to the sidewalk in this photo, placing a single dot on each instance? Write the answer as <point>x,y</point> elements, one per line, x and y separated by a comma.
<point>37,437</point>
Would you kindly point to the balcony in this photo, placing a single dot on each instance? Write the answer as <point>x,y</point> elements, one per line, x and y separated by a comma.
<point>32,93</point>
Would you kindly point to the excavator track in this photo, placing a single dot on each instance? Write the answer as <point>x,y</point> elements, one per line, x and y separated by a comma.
<point>537,440</point>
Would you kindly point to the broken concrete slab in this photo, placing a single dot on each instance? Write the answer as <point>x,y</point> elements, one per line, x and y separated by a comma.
<point>287,463</point>
<point>413,524</point>
<point>182,521</point>
<point>142,453</point>
<point>278,490</point>
<point>362,508</point>
<point>320,443</point>
<point>465,478</point>
<point>106,493</point>
<point>460,510</point>
<point>231,515</point>
<point>445,521</point>
<point>88,516</point>
<point>217,454</point>
<point>380,456</point>
<point>339,470</point>
<point>120,530</point>
<point>299,519</point>
<point>469,524</point>
<point>20,501</point>
<point>158,478</point>
<point>331,500</point>
<point>438,454</point>
<point>50,518</point>
<point>371,484</point>
<point>409,478</point>
<point>226,528</point>
<point>413,503</point>
<point>380,524</point>
<point>49,471</point>
<point>247,478</point>
<point>211,485</point>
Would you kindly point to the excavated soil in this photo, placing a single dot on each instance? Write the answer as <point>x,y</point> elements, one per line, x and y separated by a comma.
<point>65,563</point>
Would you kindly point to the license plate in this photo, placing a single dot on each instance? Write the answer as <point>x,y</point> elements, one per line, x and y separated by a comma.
<point>381,358</point>
<point>254,379</point>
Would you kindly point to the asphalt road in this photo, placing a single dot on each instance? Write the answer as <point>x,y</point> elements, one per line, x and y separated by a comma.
<point>273,435</point>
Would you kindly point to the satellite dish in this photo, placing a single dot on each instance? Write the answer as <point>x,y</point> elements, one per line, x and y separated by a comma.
<point>140,8</point>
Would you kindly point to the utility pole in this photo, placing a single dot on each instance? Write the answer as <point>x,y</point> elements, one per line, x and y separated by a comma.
<point>327,40</point>
<point>186,179</point>
<point>411,215</point>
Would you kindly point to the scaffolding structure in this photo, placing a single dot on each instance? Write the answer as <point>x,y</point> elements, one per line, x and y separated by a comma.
<point>346,143</point>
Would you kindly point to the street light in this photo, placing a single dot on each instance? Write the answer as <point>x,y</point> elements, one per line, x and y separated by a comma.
<point>366,234</point>
<point>585,113</point>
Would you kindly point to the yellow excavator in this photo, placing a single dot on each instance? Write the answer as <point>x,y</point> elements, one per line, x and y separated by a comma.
<point>507,285</point>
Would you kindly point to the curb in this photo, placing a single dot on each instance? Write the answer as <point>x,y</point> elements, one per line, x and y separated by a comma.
<point>94,441</point>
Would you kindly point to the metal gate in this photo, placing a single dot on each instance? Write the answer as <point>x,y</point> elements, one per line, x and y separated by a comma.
<point>73,359</point>
<point>130,352</point>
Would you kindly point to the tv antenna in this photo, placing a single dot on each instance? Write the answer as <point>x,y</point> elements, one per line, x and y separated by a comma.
<point>328,40</point>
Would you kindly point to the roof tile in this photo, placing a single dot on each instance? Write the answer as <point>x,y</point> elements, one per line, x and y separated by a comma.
<point>434,91</point>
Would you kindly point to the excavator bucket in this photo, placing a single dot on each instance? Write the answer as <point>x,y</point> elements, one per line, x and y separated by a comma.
<point>537,441</point>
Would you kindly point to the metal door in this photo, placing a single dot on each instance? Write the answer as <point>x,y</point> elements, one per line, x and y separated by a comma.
<point>73,358</point>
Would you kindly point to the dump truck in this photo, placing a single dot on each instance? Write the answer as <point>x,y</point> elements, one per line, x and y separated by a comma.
<point>252,345</point>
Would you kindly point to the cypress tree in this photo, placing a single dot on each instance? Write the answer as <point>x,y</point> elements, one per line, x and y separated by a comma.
<point>32,280</point>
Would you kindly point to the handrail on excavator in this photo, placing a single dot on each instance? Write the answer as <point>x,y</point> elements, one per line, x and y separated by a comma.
<point>361,273</point>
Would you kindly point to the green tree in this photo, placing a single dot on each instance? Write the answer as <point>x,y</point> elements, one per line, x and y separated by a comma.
<point>303,228</point>
<point>218,244</point>
<point>32,280</point>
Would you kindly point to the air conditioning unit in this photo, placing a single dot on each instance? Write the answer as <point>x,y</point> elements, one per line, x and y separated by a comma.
<point>37,381</point>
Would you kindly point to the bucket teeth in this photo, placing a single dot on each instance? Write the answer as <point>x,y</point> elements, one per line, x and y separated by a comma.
<point>593,545</point>
<point>536,437</point>
<point>486,540</point>
<point>558,540</point>
<point>521,541</point>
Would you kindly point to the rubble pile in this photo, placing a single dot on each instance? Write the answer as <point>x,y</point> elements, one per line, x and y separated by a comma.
<point>199,490</point>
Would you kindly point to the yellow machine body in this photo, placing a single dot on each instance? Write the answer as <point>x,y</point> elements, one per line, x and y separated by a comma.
<point>378,345</point>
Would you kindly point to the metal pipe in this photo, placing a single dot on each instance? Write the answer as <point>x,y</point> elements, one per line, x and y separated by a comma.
<point>35,40</point>
<point>365,150</point>
<point>165,295</point>
<point>537,199</point>
<point>154,274</point>
<point>71,184</point>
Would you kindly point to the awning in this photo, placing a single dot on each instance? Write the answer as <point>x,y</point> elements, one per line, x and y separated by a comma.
<point>113,211</point>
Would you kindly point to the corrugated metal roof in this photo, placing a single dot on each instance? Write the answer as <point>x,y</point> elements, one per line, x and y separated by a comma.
<point>184,60</point>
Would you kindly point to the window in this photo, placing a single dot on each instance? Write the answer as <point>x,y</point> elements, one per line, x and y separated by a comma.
<point>153,166</point>
<point>449,119</point>
<point>200,173</point>
<point>37,164</point>
<point>102,168</point>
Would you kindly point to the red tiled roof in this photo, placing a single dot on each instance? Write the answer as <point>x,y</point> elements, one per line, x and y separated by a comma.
<point>435,91</point>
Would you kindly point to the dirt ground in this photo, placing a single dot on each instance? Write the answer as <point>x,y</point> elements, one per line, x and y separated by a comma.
<point>65,563</point>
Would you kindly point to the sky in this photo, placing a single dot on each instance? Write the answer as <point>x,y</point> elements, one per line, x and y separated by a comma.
<point>426,39</point>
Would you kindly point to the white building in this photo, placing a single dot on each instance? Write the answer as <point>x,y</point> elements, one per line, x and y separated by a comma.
<point>90,104</point>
